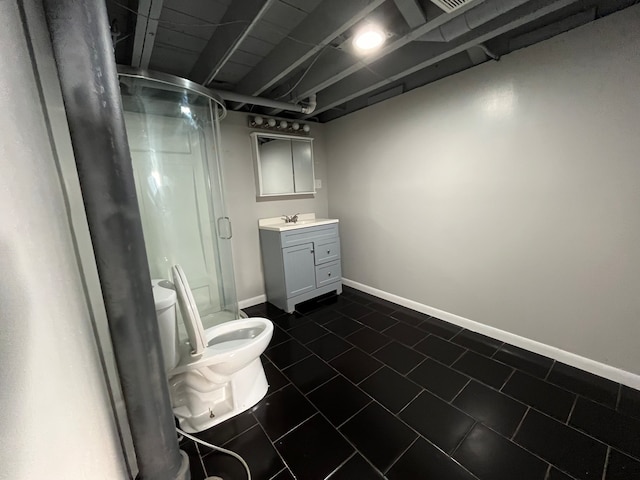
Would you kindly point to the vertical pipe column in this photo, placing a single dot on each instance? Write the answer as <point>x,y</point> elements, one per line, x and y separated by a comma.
<point>83,51</point>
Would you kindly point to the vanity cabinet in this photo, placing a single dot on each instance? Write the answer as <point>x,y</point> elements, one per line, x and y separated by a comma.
<point>300,264</point>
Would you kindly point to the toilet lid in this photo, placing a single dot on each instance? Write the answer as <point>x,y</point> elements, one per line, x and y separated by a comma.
<point>190,314</point>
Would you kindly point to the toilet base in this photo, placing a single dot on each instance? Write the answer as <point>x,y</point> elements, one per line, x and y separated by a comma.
<point>202,399</point>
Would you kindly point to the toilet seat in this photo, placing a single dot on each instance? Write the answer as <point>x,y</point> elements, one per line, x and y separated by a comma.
<point>189,310</point>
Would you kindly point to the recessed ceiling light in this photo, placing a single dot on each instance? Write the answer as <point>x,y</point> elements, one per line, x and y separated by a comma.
<point>369,38</point>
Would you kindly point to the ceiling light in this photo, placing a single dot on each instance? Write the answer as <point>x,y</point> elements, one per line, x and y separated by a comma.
<point>369,38</point>
<point>185,110</point>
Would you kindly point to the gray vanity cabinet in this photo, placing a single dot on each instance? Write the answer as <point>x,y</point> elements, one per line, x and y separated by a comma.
<point>300,264</point>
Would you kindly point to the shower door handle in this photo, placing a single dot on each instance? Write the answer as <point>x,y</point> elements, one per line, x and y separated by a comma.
<point>220,219</point>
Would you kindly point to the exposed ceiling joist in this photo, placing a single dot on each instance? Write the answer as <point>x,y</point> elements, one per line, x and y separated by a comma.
<point>411,12</point>
<point>145,33</point>
<point>242,17</point>
<point>327,74</point>
<point>323,24</point>
<point>408,61</point>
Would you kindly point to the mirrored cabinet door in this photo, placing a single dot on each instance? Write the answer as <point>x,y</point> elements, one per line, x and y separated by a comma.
<point>284,164</point>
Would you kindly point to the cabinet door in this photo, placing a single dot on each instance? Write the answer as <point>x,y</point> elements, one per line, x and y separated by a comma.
<point>299,269</point>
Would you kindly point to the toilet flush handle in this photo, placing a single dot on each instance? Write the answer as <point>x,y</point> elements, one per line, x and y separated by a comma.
<point>228,221</point>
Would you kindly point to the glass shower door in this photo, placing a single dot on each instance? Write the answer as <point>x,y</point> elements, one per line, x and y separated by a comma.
<point>173,138</point>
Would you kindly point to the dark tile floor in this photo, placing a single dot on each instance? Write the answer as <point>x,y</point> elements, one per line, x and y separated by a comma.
<point>361,388</point>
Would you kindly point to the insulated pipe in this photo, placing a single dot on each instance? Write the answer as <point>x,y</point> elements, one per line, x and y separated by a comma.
<point>262,102</point>
<point>83,52</point>
<point>471,19</point>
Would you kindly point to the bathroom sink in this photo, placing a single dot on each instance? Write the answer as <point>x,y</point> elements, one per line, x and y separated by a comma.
<point>307,220</point>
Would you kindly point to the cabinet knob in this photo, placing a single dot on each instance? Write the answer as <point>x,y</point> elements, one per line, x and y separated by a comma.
<point>328,252</point>
<point>312,252</point>
<point>329,273</point>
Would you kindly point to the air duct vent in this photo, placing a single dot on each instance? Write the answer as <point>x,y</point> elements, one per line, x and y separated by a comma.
<point>450,5</point>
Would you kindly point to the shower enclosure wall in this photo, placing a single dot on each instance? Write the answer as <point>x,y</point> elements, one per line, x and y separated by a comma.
<point>173,134</point>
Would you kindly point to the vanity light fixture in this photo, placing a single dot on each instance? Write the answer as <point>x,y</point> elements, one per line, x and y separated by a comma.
<point>279,125</point>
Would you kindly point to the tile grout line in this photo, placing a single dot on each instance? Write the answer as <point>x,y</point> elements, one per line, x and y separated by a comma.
<point>606,463</point>
<point>513,372</point>
<point>573,407</point>
<point>548,472</point>
<point>515,432</point>
<point>273,445</point>
<point>342,464</point>
<point>450,455</point>
<point>546,377</point>
<point>459,392</point>
<point>619,397</point>
<point>395,460</point>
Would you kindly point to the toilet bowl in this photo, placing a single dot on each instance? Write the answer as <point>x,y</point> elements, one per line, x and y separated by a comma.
<point>218,373</point>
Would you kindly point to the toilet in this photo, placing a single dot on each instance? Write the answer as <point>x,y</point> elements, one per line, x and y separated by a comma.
<point>218,373</point>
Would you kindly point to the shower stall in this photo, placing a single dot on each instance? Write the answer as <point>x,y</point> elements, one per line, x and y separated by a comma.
<point>174,136</point>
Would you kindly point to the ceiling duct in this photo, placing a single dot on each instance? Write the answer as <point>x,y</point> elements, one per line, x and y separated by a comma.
<point>450,5</point>
<point>471,19</point>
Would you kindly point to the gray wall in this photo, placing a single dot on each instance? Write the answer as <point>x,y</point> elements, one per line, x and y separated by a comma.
<point>55,412</point>
<point>245,209</point>
<point>507,194</point>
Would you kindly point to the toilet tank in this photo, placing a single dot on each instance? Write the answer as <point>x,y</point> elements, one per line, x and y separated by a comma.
<point>164,297</point>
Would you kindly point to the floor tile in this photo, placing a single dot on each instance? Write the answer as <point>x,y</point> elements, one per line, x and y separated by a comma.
<point>283,475</point>
<point>541,395</point>
<point>622,467</point>
<point>379,435</point>
<point>343,326</point>
<point>329,346</point>
<point>287,353</point>
<point>424,461</point>
<point>339,399</point>
<point>225,431</point>
<point>391,389</point>
<point>562,446</point>
<point>383,306</point>
<point>519,358</point>
<point>410,317</point>
<point>492,457</point>
<point>378,321</point>
<point>275,379</point>
<point>492,408</point>
<point>256,449</point>
<point>405,334</point>
<point>483,369</point>
<point>196,467</point>
<point>307,332</point>
<point>437,421</point>
<point>356,468</point>
<point>355,310</point>
<point>265,310</point>
<point>368,339</point>
<point>355,364</point>
<point>279,336</point>
<point>439,327</point>
<point>309,373</point>
<point>314,449</point>
<point>629,402</point>
<point>442,350</point>
<point>290,320</point>
<point>477,342</point>
<point>325,315</point>
<point>591,386</point>
<point>616,429</point>
<point>399,357</point>
<point>282,411</point>
<point>555,474</point>
<point>438,379</point>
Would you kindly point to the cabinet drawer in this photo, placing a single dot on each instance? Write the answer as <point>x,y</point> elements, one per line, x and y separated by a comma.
<point>308,234</point>
<point>327,251</point>
<point>328,273</point>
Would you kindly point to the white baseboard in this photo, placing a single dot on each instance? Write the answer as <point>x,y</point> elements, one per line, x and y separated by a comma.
<point>607,371</point>
<point>250,302</point>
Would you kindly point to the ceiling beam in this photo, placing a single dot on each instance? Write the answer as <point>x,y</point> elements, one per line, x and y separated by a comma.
<point>145,33</point>
<point>323,24</point>
<point>227,38</point>
<point>326,72</point>
<point>416,56</point>
<point>412,12</point>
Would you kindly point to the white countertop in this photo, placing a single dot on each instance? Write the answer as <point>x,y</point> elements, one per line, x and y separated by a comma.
<point>304,220</point>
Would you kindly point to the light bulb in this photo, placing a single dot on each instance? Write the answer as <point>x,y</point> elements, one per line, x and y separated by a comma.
<point>185,110</point>
<point>271,122</point>
<point>369,38</point>
<point>283,124</point>
<point>306,128</point>
<point>258,120</point>
<point>295,126</point>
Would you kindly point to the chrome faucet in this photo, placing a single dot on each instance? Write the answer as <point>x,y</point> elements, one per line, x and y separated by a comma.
<point>291,218</point>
